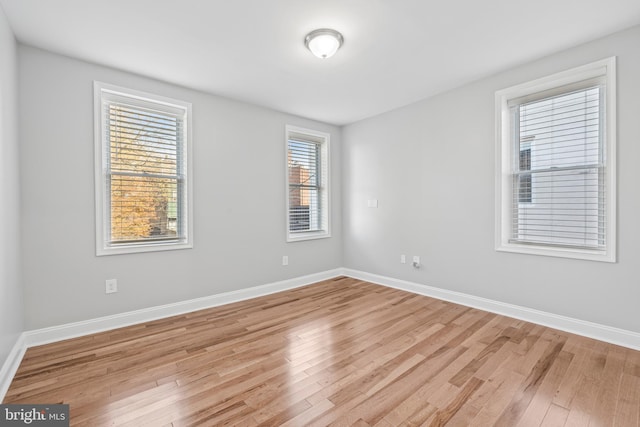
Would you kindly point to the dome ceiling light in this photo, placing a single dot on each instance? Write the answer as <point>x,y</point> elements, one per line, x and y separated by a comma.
<point>324,42</point>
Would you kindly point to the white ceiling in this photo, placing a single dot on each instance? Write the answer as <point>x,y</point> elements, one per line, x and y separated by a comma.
<point>395,52</point>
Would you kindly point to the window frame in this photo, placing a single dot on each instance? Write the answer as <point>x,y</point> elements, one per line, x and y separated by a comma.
<point>102,195</point>
<point>325,187</point>
<point>555,84</point>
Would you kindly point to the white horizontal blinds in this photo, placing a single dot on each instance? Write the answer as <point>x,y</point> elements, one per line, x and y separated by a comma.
<point>559,173</point>
<point>145,181</point>
<point>306,198</point>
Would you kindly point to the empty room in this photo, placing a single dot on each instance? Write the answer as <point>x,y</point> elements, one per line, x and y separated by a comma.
<point>345,213</point>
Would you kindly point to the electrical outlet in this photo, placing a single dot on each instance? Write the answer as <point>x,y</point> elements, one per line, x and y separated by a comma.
<point>285,260</point>
<point>416,261</point>
<point>111,286</point>
<point>403,259</point>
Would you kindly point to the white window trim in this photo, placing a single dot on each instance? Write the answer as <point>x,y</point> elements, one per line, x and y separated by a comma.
<point>101,202</point>
<point>326,155</point>
<point>606,67</point>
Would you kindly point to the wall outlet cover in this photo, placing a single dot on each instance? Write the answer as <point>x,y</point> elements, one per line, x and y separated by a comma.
<point>111,286</point>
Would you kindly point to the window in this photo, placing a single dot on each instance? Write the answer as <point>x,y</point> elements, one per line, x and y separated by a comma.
<point>143,198</point>
<point>307,184</point>
<point>555,177</point>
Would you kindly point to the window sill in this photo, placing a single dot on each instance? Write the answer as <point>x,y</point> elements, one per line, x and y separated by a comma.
<point>311,235</point>
<point>142,247</point>
<point>558,252</point>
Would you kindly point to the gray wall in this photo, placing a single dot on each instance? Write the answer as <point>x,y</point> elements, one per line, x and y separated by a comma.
<point>10,289</point>
<point>239,200</point>
<point>431,166</point>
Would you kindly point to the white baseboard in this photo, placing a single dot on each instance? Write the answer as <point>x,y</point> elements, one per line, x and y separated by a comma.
<point>11,364</point>
<point>101,324</point>
<point>597,331</point>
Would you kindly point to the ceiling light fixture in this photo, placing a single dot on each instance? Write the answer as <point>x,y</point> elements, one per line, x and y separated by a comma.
<point>323,43</point>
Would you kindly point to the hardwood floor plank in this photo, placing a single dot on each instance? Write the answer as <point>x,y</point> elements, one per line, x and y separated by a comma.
<point>571,378</point>
<point>506,386</point>
<point>632,364</point>
<point>583,402</point>
<point>339,352</point>
<point>522,399</point>
<point>603,414</point>
<point>311,413</point>
<point>472,367</point>
<point>443,416</point>
<point>539,406</point>
<point>628,401</point>
<point>288,413</point>
<point>556,416</point>
<point>378,405</point>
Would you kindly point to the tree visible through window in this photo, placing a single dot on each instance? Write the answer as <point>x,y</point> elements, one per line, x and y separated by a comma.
<point>143,174</point>
<point>143,164</point>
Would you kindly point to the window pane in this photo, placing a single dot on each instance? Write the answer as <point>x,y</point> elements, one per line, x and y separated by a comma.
<point>303,161</point>
<point>305,207</point>
<point>568,209</point>
<point>559,188</point>
<point>142,141</point>
<point>143,168</point>
<point>143,208</point>
<point>562,131</point>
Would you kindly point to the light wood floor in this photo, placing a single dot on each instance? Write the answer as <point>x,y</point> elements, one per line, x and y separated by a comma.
<point>340,352</point>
